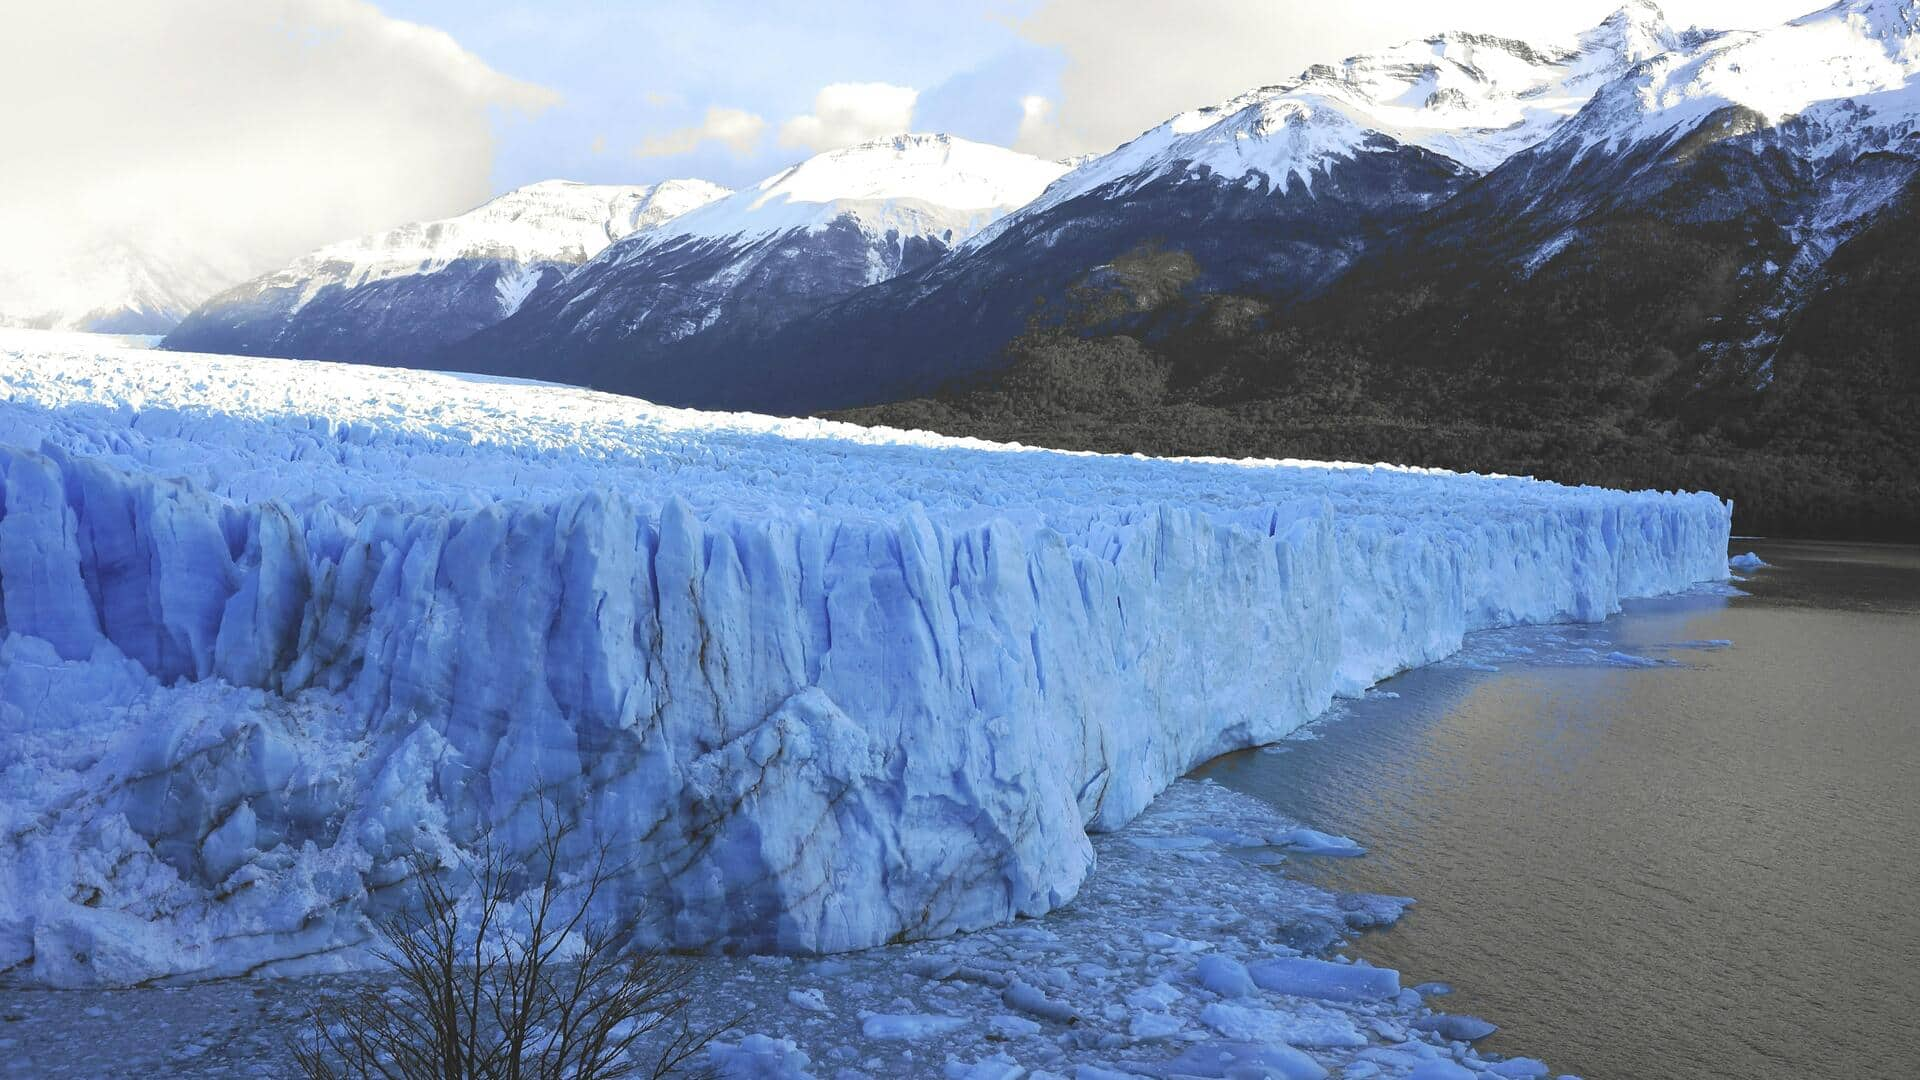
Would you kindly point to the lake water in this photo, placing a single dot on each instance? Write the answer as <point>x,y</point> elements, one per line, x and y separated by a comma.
<point>1706,868</point>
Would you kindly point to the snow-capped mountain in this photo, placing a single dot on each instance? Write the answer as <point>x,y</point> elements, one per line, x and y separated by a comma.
<point>1706,276</point>
<point>741,266</point>
<point>1279,191</point>
<point>935,186</point>
<point>1475,99</point>
<point>395,296</point>
<point>1788,139</point>
<point>885,270</point>
<point>1844,72</point>
<point>118,287</point>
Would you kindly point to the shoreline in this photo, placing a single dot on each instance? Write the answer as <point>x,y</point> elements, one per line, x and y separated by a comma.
<point>1123,956</point>
<point>1200,835</point>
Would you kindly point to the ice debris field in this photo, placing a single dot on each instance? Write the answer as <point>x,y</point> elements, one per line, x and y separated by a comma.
<point>271,626</point>
<point>1185,954</point>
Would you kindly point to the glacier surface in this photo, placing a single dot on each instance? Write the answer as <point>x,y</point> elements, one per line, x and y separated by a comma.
<point>268,627</point>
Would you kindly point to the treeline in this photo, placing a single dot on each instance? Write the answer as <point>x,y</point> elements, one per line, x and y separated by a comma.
<point>1617,363</point>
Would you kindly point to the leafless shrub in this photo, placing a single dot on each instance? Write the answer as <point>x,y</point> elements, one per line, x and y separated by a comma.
<point>519,984</point>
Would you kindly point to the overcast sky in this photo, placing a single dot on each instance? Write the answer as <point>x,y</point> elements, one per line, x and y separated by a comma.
<point>261,128</point>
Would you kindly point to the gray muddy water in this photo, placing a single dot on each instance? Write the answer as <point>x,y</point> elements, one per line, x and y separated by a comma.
<point>1640,850</point>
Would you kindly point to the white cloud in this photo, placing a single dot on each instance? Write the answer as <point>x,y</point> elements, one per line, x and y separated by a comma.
<point>736,129</point>
<point>1132,63</point>
<point>848,113</point>
<point>249,130</point>
<point>1038,133</point>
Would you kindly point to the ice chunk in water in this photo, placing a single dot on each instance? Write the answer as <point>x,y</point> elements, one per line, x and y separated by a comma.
<point>1621,659</point>
<point>1008,1026</point>
<point>1224,976</point>
<point>1456,1028</point>
<point>758,1057</point>
<point>1314,842</point>
<point>909,1026</point>
<point>1306,977</point>
<point>1029,999</point>
<point>1311,1027</point>
<point>1440,1070</point>
<point>1244,1059</point>
<point>810,999</point>
<point>997,1067</point>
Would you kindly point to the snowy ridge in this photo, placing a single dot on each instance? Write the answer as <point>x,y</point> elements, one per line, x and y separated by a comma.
<point>398,296</point>
<point>269,626</point>
<point>118,287</point>
<point>935,186</point>
<point>553,222</point>
<point>738,268</point>
<point>1846,71</point>
<point>1474,98</point>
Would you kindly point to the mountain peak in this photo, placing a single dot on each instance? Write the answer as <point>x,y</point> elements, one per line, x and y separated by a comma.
<point>623,208</point>
<point>1894,23</point>
<point>647,208</point>
<point>939,169</point>
<point>964,183</point>
<point>1848,68</point>
<point>1475,99</point>
<point>1899,15</point>
<point>1640,13</point>
<point>904,142</point>
<point>1634,31</point>
<point>548,222</point>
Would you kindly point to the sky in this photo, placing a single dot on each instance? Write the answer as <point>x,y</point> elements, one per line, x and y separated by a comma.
<point>258,129</point>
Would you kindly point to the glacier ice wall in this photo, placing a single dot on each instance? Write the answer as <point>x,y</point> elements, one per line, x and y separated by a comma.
<point>270,627</point>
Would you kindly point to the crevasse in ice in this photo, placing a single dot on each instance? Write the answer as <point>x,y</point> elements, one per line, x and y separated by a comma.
<point>270,626</point>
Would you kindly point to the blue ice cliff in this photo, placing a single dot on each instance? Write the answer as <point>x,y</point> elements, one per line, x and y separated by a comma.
<point>267,628</point>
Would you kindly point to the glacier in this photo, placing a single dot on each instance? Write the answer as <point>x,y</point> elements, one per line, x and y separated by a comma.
<point>268,628</point>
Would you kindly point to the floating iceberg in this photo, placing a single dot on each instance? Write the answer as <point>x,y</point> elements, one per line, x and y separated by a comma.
<point>272,626</point>
<point>1314,842</point>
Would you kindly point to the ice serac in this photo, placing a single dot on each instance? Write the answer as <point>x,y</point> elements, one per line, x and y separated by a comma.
<point>271,627</point>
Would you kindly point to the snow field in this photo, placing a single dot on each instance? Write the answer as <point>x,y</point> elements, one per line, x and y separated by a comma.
<point>270,626</point>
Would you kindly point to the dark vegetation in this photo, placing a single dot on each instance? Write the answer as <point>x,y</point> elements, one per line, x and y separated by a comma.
<point>1609,364</point>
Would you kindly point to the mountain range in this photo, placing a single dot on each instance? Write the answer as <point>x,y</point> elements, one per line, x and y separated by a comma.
<point>657,314</point>
<point>1600,258</point>
<point>396,296</point>
<point>124,286</point>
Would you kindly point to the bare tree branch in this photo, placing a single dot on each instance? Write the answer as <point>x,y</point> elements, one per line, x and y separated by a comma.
<point>512,979</point>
